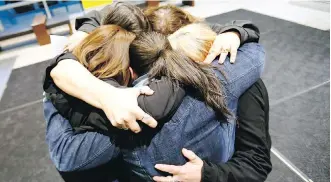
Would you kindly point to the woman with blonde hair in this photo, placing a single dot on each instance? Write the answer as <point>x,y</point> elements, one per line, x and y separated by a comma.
<point>194,40</point>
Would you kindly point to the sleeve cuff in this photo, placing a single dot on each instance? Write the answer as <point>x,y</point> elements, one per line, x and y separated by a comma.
<point>207,173</point>
<point>238,29</point>
<point>87,28</point>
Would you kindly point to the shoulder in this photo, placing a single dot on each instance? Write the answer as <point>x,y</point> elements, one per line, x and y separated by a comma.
<point>167,96</point>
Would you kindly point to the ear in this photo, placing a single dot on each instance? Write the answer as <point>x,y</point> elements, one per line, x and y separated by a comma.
<point>133,74</point>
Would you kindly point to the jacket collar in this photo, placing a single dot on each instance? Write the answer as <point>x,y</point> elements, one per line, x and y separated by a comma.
<point>141,81</point>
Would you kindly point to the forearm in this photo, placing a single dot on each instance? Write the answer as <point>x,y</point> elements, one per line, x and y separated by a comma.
<point>74,79</point>
<point>247,30</point>
<point>239,169</point>
<point>245,72</point>
<point>251,160</point>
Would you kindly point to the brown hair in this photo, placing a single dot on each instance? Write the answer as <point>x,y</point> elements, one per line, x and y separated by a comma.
<point>193,40</point>
<point>152,53</point>
<point>127,16</point>
<point>105,52</point>
<point>168,19</point>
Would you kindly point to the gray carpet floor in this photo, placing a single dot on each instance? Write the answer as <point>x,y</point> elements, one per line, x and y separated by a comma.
<point>296,75</point>
<point>297,78</point>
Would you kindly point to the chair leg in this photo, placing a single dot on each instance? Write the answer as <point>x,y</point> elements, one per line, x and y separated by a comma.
<point>40,30</point>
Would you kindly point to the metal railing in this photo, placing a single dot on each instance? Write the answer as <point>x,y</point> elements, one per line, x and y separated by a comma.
<point>27,2</point>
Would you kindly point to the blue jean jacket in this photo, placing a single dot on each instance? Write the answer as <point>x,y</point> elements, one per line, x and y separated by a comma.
<point>193,126</point>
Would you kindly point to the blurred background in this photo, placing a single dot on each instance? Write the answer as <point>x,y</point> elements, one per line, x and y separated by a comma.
<point>295,34</point>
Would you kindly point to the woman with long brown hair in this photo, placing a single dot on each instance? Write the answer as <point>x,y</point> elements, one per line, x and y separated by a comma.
<point>105,54</point>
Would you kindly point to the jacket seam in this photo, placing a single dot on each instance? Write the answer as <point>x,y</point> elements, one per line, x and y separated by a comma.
<point>102,150</point>
<point>242,75</point>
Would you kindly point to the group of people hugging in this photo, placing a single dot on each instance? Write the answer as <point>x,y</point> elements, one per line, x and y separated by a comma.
<point>158,95</point>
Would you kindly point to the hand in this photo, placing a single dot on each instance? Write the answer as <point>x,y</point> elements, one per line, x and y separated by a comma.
<point>75,39</point>
<point>190,172</point>
<point>224,43</point>
<point>121,108</point>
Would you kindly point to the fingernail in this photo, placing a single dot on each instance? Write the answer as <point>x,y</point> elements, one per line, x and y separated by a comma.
<point>136,131</point>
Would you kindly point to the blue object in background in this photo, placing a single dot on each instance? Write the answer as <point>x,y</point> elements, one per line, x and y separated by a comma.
<point>21,17</point>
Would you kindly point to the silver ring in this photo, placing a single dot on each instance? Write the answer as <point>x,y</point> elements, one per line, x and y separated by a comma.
<point>225,50</point>
<point>123,127</point>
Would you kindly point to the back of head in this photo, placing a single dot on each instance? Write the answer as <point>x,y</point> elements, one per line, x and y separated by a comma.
<point>105,52</point>
<point>151,53</point>
<point>194,40</point>
<point>146,49</point>
<point>168,19</point>
<point>127,16</point>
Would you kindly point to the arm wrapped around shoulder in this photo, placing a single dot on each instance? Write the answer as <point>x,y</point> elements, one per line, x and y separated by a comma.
<point>165,100</point>
<point>245,72</point>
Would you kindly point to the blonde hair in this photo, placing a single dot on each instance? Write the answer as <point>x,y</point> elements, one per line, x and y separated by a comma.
<point>105,52</point>
<point>194,40</point>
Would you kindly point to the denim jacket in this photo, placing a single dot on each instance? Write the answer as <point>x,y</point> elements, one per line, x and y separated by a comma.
<point>194,126</point>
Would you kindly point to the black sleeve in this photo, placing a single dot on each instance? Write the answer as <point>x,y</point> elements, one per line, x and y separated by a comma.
<point>251,159</point>
<point>91,20</point>
<point>165,100</point>
<point>247,30</point>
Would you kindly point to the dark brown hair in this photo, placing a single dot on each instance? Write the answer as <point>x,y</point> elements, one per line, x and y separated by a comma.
<point>127,16</point>
<point>151,53</point>
<point>105,52</point>
<point>168,19</point>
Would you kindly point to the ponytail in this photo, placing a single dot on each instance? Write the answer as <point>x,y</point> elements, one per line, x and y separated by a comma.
<point>152,52</point>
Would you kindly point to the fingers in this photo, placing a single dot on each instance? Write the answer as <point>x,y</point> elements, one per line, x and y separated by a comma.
<point>210,58</point>
<point>145,118</point>
<point>132,124</point>
<point>120,124</point>
<point>145,90</point>
<point>66,48</point>
<point>168,168</point>
<point>233,55</point>
<point>190,155</point>
<point>165,179</point>
<point>222,57</point>
<point>213,52</point>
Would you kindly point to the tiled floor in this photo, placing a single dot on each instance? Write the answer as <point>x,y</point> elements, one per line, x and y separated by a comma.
<point>296,75</point>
